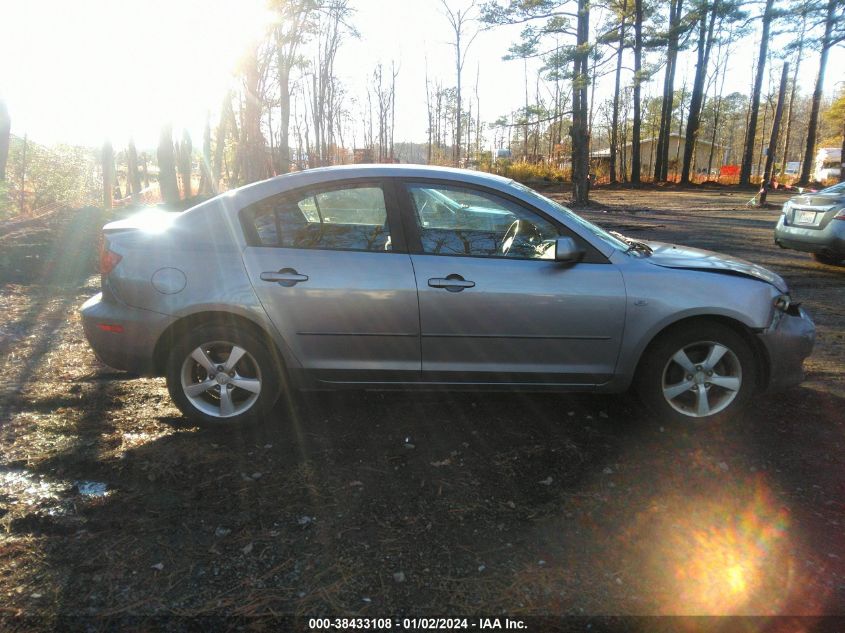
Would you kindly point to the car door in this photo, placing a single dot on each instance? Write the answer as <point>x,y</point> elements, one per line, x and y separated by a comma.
<point>494,305</point>
<point>330,268</point>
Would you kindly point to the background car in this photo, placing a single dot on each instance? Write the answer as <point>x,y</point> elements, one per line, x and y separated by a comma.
<point>815,223</point>
<point>410,277</point>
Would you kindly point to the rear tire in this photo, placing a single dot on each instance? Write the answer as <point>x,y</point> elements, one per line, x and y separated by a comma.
<point>220,375</point>
<point>699,373</point>
<point>830,260</point>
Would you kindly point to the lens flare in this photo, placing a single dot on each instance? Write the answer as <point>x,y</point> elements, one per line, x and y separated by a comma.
<point>727,555</point>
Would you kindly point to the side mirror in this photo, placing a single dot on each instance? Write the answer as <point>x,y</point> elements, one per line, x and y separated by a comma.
<point>566,250</point>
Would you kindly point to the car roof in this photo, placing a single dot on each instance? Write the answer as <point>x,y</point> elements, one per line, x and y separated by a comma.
<point>238,198</point>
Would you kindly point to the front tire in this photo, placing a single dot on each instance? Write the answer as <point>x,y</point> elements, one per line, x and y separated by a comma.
<point>697,373</point>
<point>222,375</point>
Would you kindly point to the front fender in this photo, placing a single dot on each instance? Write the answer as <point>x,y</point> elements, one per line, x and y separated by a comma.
<point>659,298</point>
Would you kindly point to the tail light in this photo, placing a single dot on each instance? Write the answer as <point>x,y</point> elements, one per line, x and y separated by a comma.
<point>840,215</point>
<point>108,259</point>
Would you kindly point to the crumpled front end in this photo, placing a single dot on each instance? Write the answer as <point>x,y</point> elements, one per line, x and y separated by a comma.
<point>788,342</point>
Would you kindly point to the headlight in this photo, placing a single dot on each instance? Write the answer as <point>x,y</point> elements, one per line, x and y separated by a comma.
<point>786,207</point>
<point>782,302</point>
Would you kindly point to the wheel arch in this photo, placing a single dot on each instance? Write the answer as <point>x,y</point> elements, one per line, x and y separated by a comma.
<point>211,317</point>
<point>758,350</point>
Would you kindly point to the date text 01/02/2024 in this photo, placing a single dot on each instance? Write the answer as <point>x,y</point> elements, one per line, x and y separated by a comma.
<point>428,624</point>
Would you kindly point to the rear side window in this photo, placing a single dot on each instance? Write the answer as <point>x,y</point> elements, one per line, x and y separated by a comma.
<point>349,218</point>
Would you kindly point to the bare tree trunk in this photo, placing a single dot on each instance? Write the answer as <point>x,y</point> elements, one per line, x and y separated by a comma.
<point>133,178</point>
<point>812,128</point>
<point>748,155</point>
<point>535,158</point>
<point>592,97</point>
<point>718,110</point>
<point>392,106</point>
<point>5,135</point>
<point>661,162</point>
<point>428,110</point>
<point>638,50</point>
<point>770,159</point>
<point>220,142</point>
<point>458,97</point>
<point>705,41</point>
<point>186,148</point>
<point>623,158</point>
<point>477,114</point>
<point>252,163</point>
<point>578,131</point>
<point>315,119</point>
<point>108,175</point>
<point>167,167</point>
<point>23,176</point>
<point>614,125</point>
<point>284,117</point>
<point>144,171</point>
<point>763,138</point>
<point>525,115</point>
<point>206,186</point>
<point>792,91</point>
<point>458,20</point>
<point>680,127</point>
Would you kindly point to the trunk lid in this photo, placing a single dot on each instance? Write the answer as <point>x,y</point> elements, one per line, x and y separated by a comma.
<point>152,221</point>
<point>813,210</point>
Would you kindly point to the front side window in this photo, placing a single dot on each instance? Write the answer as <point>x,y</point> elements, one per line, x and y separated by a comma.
<point>599,232</point>
<point>347,218</point>
<point>456,220</point>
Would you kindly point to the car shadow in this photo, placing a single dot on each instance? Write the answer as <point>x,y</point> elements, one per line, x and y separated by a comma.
<point>388,503</point>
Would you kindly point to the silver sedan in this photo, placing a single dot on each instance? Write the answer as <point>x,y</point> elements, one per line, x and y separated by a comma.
<point>815,223</point>
<point>385,277</point>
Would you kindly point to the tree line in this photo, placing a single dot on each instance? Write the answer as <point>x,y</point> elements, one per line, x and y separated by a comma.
<point>290,111</point>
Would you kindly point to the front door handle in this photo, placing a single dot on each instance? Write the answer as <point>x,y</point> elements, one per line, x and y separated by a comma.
<point>452,283</point>
<point>285,277</point>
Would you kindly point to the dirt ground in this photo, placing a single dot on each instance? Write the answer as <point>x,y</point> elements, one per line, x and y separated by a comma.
<point>387,505</point>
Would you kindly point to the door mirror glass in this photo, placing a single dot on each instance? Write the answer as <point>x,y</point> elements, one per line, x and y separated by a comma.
<point>566,250</point>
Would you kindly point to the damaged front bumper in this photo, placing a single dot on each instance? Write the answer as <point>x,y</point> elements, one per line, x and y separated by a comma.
<point>788,341</point>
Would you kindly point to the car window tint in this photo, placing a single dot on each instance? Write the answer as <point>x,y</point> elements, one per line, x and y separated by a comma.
<point>265,226</point>
<point>350,218</point>
<point>455,220</point>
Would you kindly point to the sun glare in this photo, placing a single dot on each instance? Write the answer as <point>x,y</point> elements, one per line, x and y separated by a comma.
<point>730,556</point>
<point>100,69</point>
<point>736,579</point>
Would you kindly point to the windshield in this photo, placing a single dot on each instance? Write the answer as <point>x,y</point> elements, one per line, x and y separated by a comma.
<point>439,196</point>
<point>577,219</point>
<point>839,188</point>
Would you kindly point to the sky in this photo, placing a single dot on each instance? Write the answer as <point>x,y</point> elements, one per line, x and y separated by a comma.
<point>80,72</point>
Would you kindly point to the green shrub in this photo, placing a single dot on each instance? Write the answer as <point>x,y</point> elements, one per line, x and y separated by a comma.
<point>527,172</point>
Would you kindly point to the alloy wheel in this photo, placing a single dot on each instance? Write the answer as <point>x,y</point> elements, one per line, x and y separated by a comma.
<point>702,379</point>
<point>221,379</point>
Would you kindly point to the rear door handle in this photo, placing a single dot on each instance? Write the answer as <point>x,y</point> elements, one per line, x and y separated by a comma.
<point>285,277</point>
<point>452,283</point>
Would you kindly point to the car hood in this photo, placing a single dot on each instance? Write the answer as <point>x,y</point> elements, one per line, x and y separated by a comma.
<point>685,257</point>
